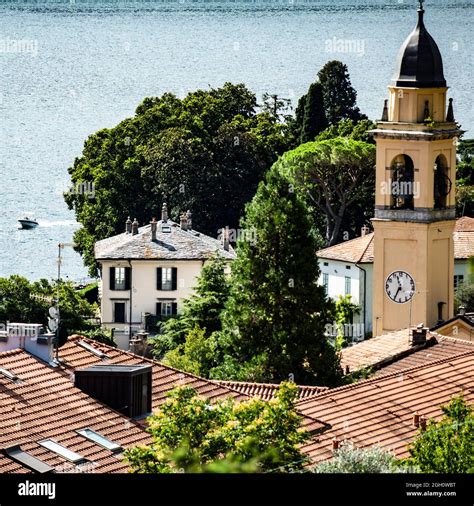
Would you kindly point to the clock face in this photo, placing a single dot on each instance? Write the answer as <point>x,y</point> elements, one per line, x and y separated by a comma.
<point>400,287</point>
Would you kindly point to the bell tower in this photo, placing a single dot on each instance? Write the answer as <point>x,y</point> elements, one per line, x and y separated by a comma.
<point>415,195</point>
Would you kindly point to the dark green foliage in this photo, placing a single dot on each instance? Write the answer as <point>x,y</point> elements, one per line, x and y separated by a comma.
<point>347,128</point>
<point>206,152</point>
<point>339,95</point>
<point>337,177</point>
<point>28,302</point>
<point>203,309</point>
<point>276,313</point>
<point>465,179</point>
<point>314,119</point>
<point>190,435</point>
<point>446,446</point>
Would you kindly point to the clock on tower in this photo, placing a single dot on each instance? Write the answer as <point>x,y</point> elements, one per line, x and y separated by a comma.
<point>415,199</point>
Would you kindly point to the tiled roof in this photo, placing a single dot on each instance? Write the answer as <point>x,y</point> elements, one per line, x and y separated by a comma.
<point>177,244</point>
<point>165,378</point>
<point>358,250</point>
<point>44,405</point>
<point>267,391</point>
<point>361,249</point>
<point>379,411</point>
<point>393,351</point>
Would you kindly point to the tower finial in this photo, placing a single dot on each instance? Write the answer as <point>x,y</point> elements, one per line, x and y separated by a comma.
<point>421,4</point>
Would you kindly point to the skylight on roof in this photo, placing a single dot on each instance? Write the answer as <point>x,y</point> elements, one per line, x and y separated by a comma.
<point>27,460</point>
<point>99,439</point>
<point>166,229</point>
<point>61,450</point>
<point>92,350</point>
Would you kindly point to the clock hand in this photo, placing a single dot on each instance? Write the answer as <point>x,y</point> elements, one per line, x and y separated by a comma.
<point>396,293</point>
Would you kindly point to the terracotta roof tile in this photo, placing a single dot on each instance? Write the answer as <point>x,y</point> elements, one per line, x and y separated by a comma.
<point>267,391</point>
<point>379,411</point>
<point>393,351</point>
<point>361,249</point>
<point>46,405</point>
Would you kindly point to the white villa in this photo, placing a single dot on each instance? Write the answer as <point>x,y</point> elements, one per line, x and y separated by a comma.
<point>347,268</point>
<point>148,271</point>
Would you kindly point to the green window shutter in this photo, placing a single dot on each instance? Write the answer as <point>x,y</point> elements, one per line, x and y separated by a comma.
<point>174,308</point>
<point>174,278</point>
<point>159,277</point>
<point>112,278</point>
<point>158,309</point>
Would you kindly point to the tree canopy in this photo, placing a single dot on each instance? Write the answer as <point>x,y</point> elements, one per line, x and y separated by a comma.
<point>191,435</point>
<point>446,446</point>
<point>334,175</point>
<point>206,152</point>
<point>275,317</point>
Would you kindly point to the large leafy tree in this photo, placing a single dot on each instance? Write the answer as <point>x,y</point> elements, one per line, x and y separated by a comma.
<point>334,175</point>
<point>206,152</point>
<point>310,114</point>
<point>446,446</point>
<point>276,313</point>
<point>465,179</point>
<point>191,435</point>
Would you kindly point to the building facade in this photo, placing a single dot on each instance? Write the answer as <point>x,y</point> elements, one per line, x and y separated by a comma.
<point>148,272</point>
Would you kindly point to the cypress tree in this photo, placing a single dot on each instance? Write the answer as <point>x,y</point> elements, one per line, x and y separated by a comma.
<point>314,120</point>
<point>276,313</point>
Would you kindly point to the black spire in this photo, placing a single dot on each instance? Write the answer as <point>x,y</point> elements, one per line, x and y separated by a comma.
<point>419,63</point>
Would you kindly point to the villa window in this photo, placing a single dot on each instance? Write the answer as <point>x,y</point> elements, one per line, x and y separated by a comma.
<point>120,278</point>
<point>167,278</point>
<point>119,312</point>
<point>347,285</point>
<point>458,281</point>
<point>326,282</point>
<point>166,308</point>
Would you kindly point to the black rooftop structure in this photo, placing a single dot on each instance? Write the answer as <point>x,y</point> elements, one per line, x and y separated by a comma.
<point>419,63</point>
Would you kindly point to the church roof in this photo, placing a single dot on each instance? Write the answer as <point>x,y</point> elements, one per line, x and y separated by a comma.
<point>361,249</point>
<point>419,63</point>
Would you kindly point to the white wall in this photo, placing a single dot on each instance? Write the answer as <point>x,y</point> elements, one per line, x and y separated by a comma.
<point>144,292</point>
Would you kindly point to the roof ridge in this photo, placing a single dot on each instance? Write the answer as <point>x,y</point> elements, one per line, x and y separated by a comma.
<point>366,247</point>
<point>346,242</point>
<point>13,351</point>
<point>386,376</point>
<point>271,385</point>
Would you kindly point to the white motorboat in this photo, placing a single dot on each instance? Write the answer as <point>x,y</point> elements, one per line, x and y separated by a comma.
<point>28,222</point>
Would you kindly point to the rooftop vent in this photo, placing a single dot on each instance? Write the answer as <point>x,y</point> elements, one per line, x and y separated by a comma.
<point>126,388</point>
<point>93,350</point>
<point>9,375</point>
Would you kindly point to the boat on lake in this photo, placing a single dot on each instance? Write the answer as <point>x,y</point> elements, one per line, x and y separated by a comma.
<point>28,222</point>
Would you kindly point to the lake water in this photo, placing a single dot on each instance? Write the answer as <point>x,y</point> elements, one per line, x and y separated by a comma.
<point>68,69</point>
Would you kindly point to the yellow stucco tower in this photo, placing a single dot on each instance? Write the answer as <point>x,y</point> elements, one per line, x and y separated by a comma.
<point>415,195</point>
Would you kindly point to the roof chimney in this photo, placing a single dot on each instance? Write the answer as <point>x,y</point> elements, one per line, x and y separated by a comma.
<point>335,444</point>
<point>418,335</point>
<point>126,388</point>
<point>128,226</point>
<point>154,225</point>
<point>462,311</point>
<point>225,239</point>
<point>189,217</point>
<point>135,227</point>
<point>416,420</point>
<point>423,423</point>
<point>364,231</point>
<point>164,213</point>
<point>183,223</point>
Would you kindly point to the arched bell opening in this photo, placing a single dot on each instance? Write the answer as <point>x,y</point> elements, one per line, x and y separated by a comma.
<point>403,184</point>
<point>442,183</point>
